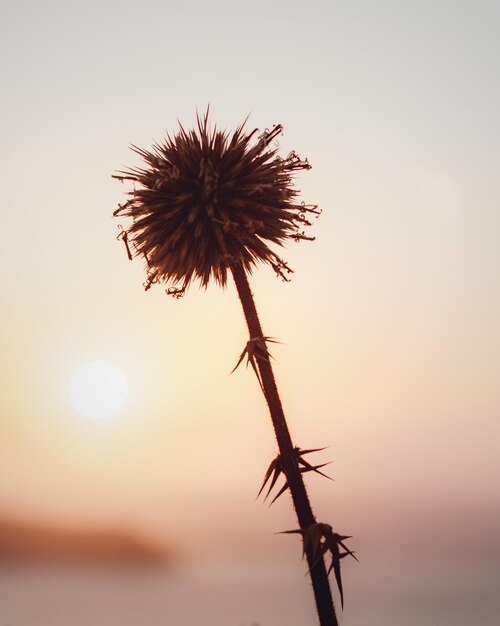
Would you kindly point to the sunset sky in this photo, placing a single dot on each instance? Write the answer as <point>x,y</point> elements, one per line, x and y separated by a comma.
<point>389,328</point>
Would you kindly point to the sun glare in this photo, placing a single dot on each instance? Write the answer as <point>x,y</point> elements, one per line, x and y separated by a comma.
<point>98,389</point>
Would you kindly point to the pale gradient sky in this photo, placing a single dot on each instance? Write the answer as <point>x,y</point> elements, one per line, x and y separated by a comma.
<point>390,329</point>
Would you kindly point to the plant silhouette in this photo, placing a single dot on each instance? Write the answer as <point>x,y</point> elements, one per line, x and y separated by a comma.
<point>206,205</point>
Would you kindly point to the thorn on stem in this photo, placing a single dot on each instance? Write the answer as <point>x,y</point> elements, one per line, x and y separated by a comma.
<point>319,539</point>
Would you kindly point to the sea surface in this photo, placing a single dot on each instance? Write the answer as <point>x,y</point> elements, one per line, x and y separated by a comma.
<point>208,594</point>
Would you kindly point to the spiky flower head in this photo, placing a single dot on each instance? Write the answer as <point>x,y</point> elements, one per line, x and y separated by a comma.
<point>206,201</point>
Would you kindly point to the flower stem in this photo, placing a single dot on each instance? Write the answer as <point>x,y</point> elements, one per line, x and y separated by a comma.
<point>305,515</point>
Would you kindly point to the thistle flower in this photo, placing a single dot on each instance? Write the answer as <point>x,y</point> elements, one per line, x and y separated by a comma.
<point>206,205</point>
<point>206,201</point>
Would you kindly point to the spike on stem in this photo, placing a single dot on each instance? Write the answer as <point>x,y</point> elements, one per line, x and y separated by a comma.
<point>288,456</point>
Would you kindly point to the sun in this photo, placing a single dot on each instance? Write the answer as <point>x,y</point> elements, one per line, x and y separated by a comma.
<point>98,389</point>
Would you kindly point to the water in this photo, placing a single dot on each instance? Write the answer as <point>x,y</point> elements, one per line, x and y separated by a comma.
<point>204,594</point>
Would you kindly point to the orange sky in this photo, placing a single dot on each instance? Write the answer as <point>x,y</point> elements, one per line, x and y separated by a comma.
<point>390,325</point>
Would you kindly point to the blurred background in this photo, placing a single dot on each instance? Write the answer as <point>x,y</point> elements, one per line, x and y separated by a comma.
<point>389,328</point>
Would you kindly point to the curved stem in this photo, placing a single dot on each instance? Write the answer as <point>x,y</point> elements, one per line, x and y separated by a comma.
<point>305,515</point>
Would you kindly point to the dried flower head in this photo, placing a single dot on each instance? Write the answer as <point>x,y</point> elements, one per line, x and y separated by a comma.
<point>206,201</point>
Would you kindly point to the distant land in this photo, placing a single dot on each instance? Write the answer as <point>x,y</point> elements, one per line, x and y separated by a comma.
<point>24,541</point>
